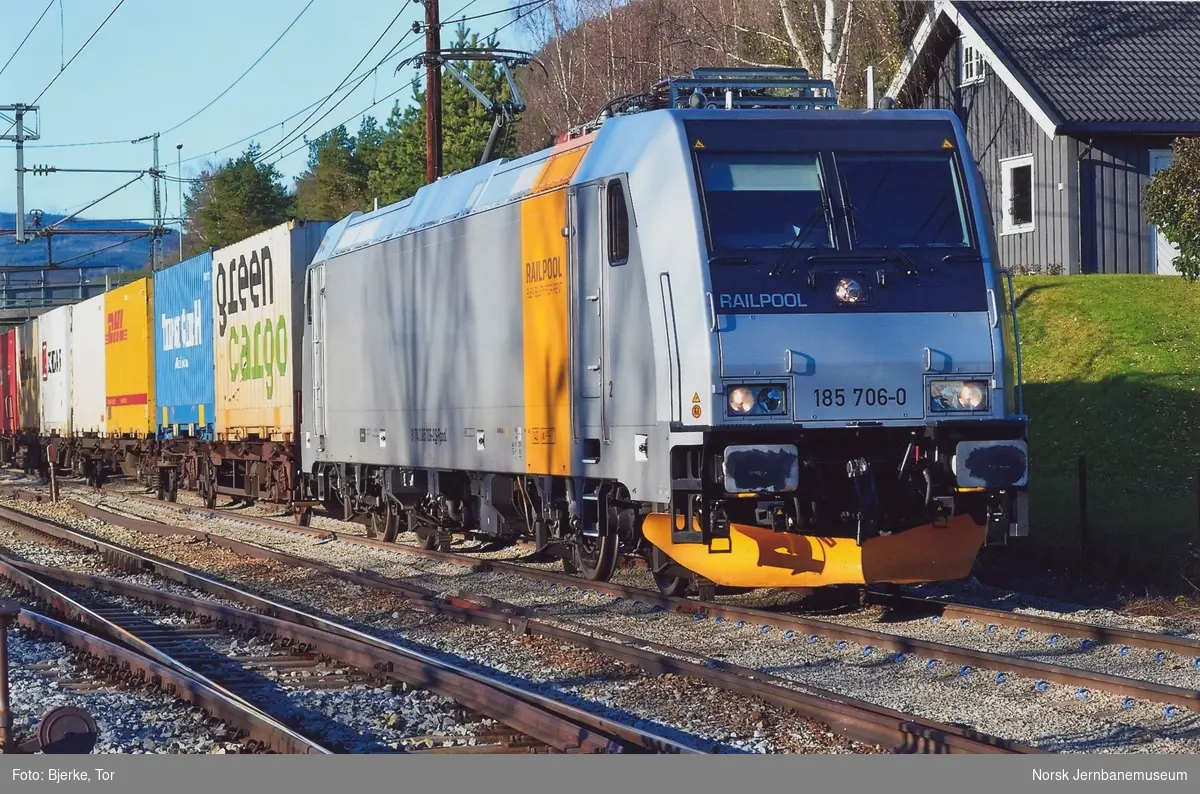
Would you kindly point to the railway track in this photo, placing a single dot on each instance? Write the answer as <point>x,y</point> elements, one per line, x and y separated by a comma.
<point>281,680</point>
<point>1171,697</point>
<point>863,721</point>
<point>557,725</point>
<point>115,661</point>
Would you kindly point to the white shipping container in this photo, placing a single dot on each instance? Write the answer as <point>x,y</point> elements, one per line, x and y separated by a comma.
<point>88,384</point>
<point>55,365</point>
<point>258,291</point>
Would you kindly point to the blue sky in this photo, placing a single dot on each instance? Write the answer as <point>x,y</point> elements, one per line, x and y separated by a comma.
<point>156,62</point>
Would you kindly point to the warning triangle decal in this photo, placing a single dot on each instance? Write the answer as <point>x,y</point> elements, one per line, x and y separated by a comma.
<point>699,144</point>
<point>947,145</point>
<point>696,397</point>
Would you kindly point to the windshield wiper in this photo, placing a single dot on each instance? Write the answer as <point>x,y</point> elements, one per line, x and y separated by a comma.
<point>808,224</point>
<point>910,267</point>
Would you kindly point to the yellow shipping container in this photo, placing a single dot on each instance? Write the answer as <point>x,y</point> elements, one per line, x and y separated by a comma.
<point>129,359</point>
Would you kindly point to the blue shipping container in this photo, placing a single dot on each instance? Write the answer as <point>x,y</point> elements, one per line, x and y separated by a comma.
<point>183,349</point>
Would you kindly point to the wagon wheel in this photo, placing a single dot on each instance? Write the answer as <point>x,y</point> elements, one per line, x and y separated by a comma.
<point>208,485</point>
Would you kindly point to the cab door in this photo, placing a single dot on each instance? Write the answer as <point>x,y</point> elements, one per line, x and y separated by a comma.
<point>588,308</point>
<point>316,310</point>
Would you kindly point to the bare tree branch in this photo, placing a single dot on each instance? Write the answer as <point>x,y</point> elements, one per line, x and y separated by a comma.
<point>797,47</point>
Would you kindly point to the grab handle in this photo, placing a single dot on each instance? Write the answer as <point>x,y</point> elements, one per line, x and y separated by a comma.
<point>1012,308</point>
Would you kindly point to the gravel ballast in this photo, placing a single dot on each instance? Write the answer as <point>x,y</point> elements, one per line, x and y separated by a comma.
<point>128,721</point>
<point>681,709</point>
<point>1055,717</point>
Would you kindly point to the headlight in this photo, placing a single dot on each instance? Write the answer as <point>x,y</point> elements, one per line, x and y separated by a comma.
<point>741,400</point>
<point>958,395</point>
<point>770,399</point>
<point>765,400</point>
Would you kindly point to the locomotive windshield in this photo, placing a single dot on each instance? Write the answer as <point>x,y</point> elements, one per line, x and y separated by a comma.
<point>765,200</point>
<point>903,200</point>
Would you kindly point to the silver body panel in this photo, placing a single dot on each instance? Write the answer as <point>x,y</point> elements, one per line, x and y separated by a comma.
<point>420,305</point>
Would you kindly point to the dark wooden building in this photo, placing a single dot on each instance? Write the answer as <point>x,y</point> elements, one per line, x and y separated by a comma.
<point>1069,108</point>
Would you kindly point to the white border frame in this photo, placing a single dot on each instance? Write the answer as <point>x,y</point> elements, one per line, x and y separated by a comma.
<point>1007,165</point>
<point>981,60</point>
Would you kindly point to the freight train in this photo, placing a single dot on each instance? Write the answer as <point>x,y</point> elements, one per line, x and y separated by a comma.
<point>756,339</point>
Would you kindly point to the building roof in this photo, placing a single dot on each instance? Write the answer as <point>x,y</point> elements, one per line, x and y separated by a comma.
<point>1087,66</point>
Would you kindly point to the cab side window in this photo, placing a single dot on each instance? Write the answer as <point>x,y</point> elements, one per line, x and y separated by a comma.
<point>618,224</point>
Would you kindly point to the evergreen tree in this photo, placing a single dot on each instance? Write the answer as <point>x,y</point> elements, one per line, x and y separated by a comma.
<point>335,182</point>
<point>234,201</point>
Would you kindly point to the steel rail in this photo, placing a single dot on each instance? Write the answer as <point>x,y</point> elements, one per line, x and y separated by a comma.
<point>174,676</point>
<point>559,725</point>
<point>1107,635</point>
<point>1062,674</point>
<point>853,717</point>
<point>13,569</point>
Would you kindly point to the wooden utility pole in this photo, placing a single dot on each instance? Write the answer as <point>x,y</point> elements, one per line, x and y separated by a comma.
<point>433,92</point>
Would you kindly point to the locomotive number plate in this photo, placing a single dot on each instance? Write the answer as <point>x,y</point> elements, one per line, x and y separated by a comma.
<point>860,397</point>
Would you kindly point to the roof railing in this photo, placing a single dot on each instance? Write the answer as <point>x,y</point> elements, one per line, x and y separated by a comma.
<point>752,88</point>
<point>769,88</point>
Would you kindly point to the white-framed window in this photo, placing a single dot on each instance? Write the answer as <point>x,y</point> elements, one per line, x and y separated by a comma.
<point>1017,194</point>
<point>972,70</point>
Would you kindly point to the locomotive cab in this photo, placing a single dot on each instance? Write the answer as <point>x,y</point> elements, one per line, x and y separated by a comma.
<point>867,423</point>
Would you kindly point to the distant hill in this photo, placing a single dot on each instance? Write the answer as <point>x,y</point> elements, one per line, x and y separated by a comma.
<point>71,250</point>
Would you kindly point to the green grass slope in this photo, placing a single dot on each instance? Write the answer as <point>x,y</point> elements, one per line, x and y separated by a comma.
<point>1112,372</point>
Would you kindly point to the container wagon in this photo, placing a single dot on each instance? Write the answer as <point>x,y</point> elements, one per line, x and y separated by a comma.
<point>184,380</point>
<point>29,416</point>
<point>89,410</point>
<point>10,389</point>
<point>257,294</point>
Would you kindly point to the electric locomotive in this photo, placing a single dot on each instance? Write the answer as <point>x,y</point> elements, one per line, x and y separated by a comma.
<point>757,339</point>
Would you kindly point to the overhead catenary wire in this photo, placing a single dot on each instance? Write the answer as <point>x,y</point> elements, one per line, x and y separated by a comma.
<point>302,147</point>
<point>393,54</point>
<point>93,254</point>
<point>240,77</point>
<point>396,49</point>
<point>65,66</point>
<point>367,109</point>
<point>516,8</point>
<point>17,51</point>
<point>344,81</point>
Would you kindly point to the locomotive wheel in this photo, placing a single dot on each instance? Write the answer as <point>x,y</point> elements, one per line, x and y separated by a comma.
<point>671,585</point>
<point>595,559</point>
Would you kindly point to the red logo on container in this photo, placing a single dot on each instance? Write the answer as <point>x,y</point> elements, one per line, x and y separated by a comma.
<point>117,332</point>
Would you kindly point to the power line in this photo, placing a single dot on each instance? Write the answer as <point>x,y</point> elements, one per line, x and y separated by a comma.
<point>243,74</point>
<point>64,67</point>
<point>98,251</point>
<point>284,156</point>
<point>372,106</point>
<point>396,48</point>
<point>45,11</point>
<point>287,139</point>
<point>517,7</point>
